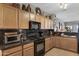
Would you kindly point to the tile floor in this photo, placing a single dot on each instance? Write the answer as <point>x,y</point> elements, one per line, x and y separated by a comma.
<point>60,52</point>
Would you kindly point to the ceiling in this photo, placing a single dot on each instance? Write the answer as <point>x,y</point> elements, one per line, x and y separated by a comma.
<point>70,14</point>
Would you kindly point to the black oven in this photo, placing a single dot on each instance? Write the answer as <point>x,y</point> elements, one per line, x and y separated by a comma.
<point>39,47</point>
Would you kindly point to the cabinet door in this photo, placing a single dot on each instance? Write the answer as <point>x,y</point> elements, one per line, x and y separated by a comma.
<point>12,50</point>
<point>64,43</point>
<point>72,44</point>
<point>52,42</point>
<point>57,44</point>
<point>32,17</point>
<point>1,16</point>
<point>19,53</point>
<point>38,18</point>
<point>51,24</point>
<point>47,44</point>
<point>42,23</point>
<point>23,20</point>
<point>46,24</point>
<point>28,51</point>
<point>10,17</point>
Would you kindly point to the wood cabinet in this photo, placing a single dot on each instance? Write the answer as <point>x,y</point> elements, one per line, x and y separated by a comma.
<point>57,42</point>
<point>13,51</point>
<point>0,52</point>
<point>49,43</point>
<point>19,53</point>
<point>41,19</point>
<point>10,20</point>
<point>32,17</point>
<point>28,49</point>
<point>38,18</point>
<point>42,22</point>
<point>64,43</point>
<point>72,44</point>
<point>51,24</point>
<point>67,43</point>
<point>28,52</point>
<point>52,42</point>
<point>1,16</point>
<point>8,17</point>
<point>46,23</point>
<point>23,19</point>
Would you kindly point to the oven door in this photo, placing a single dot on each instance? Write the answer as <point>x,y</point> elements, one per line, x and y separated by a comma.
<point>11,39</point>
<point>39,48</point>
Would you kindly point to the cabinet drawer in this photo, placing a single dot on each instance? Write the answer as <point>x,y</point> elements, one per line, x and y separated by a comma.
<point>28,45</point>
<point>19,53</point>
<point>28,52</point>
<point>11,50</point>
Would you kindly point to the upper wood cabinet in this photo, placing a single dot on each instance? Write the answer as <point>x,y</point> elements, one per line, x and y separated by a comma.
<point>42,22</point>
<point>23,19</point>
<point>46,23</point>
<point>38,18</point>
<point>41,19</point>
<point>51,24</point>
<point>32,17</point>
<point>1,16</point>
<point>10,18</point>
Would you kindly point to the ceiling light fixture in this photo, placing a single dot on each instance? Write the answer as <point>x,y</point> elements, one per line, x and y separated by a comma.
<point>63,5</point>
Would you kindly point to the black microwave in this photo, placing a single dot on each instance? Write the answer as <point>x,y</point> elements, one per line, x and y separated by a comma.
<point>34,25</point>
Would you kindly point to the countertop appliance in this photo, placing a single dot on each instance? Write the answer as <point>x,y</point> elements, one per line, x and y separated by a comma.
<point>11,37</point>
<point>34,25</point>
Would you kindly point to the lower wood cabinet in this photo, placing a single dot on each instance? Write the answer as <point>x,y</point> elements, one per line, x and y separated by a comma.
<point>64,43</point>
<point>28,49</point>
<point>67,43</point>
<point>72,44</point>
<point>49,43</point>
<point>19,53</point>
<point>57,42</point>
<point>12,51</point>
<point>28,52</point>
<point>52,42</point>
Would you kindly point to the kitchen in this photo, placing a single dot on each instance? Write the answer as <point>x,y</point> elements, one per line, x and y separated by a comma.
<point>27,30</point>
